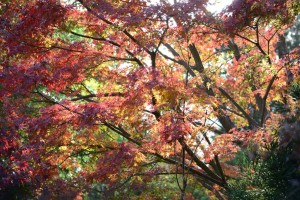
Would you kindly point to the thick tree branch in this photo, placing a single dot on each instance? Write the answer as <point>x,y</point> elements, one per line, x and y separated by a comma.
<point>264,109</point>
<point>180,62</point>
<point>224,120</point>
<point>233,46</point>
<point>232,111</point>
<point>197,161</point>
<point>269,87</point>
<point>201,175</point>
<point>251,121</point>
<point>199,65</point>
<point>216,157</point>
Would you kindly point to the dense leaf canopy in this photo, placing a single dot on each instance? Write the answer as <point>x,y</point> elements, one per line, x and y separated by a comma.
<point>110,92</point>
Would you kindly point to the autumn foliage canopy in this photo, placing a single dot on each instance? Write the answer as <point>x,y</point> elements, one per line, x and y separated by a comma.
<point>108,91</point>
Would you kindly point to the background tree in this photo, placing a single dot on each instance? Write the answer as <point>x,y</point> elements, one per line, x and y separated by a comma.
<point>100,92</point>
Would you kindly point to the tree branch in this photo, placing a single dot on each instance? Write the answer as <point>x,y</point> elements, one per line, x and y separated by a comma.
<point>181,62</point>
<point>199,65</point>
<point>251,121</point>
<point>214,179</point>
<point>134,58</point>
<point>197,161</point>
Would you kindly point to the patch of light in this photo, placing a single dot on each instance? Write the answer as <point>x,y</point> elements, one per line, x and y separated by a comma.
<point>216,6</point>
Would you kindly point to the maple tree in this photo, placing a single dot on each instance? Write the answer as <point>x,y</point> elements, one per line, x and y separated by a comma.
<point>100,91</point>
